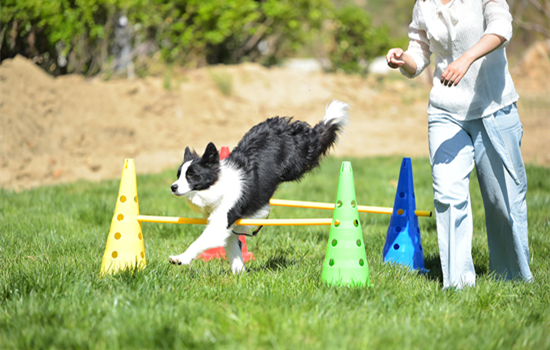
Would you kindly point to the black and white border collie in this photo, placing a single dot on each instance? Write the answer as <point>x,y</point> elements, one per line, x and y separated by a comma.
<point>240,186</point>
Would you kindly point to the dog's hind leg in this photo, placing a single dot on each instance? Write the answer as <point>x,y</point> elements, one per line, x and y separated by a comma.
<point>233,249</point>
<point>213,236</point>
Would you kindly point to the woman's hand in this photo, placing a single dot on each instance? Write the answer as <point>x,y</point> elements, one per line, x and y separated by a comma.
<point>395,58</point>
<point>456,71</point>
<point>398,58</point>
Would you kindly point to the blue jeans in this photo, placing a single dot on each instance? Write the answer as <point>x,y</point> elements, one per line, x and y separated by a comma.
<point>492,144</point>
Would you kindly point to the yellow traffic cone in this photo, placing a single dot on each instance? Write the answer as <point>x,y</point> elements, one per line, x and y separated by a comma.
<point>125,248</point>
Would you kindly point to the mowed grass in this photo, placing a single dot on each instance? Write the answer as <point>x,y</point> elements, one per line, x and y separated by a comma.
<point>52,240</point>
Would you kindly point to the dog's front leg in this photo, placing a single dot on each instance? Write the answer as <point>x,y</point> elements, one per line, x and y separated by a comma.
<point>213,236</point>
<point>233,249</point>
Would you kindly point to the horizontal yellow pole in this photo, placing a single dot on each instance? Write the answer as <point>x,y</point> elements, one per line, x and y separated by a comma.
<point>241,222</point>
<point>170,220</point>
<point>330,206</point>
<point>283,222</point>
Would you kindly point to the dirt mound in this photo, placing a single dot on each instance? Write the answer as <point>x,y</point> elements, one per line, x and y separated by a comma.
<point>534,64</point>
<point>63,129</point>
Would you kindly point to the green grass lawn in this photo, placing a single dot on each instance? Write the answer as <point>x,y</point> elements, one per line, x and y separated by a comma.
<point>52,241</point>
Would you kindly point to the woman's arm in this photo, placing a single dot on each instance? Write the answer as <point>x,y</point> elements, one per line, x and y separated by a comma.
<point>417,57</point>
<point>497,34</point>
<point>458,68</point>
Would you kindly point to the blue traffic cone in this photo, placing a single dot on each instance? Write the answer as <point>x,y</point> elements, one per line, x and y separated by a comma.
<point>403,245</point>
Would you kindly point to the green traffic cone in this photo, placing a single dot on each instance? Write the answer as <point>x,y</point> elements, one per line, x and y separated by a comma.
<point>346,259</point>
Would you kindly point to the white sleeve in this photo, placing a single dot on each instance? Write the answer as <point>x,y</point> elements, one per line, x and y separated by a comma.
<point>419,44</point>
<point>498,19</point>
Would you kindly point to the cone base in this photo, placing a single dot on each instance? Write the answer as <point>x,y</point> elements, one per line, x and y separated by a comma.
<point>219,253</point>
<point>346,276</point>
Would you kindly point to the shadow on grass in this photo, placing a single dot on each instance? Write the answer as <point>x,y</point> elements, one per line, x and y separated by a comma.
<point>432,263</point>
<point>278,261</point>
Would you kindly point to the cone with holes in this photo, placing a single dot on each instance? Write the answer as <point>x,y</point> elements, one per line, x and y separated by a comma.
<point>346,259</point>
<point>403,245</point>
<point>125,248</point>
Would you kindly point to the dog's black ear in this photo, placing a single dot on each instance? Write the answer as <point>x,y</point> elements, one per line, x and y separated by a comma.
<point>189,155</point>
<point>211,155</point>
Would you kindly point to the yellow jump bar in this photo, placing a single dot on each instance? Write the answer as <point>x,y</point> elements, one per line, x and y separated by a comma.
<point>241,222</point>
<point>278,222</point>
<point>330,206</point>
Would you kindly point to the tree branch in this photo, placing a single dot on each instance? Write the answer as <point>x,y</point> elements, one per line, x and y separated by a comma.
<point>535,27</point>
<point>544,9</point>
<point>254,39</point>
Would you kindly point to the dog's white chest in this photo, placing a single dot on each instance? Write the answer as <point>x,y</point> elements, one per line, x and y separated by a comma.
<point>196,208</point>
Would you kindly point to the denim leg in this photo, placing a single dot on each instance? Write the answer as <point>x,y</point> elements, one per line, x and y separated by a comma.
<point>452,160</point>
<point>504,200</point>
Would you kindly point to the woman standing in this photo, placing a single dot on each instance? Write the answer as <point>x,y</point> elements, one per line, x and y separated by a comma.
<point>472,120</point>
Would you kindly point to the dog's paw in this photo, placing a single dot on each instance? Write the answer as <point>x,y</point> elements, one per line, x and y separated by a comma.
<point>237,267</point>
<point>179,260</point>
<point>174,260</point>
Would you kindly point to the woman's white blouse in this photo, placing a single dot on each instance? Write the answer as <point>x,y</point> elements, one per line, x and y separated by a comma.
<point>448,31</point>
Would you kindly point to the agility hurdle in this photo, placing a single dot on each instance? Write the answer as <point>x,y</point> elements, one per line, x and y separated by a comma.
<point>125,247</point>
<point>279,222</point>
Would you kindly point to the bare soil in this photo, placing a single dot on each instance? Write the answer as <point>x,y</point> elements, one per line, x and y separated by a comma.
<point>56,130</point>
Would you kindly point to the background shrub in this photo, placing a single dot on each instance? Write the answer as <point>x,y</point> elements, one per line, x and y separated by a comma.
<point>356,41</point>
<point>91,36</point>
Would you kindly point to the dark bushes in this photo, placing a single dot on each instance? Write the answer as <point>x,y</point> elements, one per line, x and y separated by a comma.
<point>92,36</point>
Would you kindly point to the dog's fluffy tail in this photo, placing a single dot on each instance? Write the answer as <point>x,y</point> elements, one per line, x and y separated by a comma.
<point>336,117</point>
<point>337,113</point>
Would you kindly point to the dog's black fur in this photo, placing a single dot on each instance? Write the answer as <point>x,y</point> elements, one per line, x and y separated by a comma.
<point>276,151</point>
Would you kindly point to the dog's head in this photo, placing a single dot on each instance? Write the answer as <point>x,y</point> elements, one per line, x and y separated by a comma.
<point>197,173</point>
